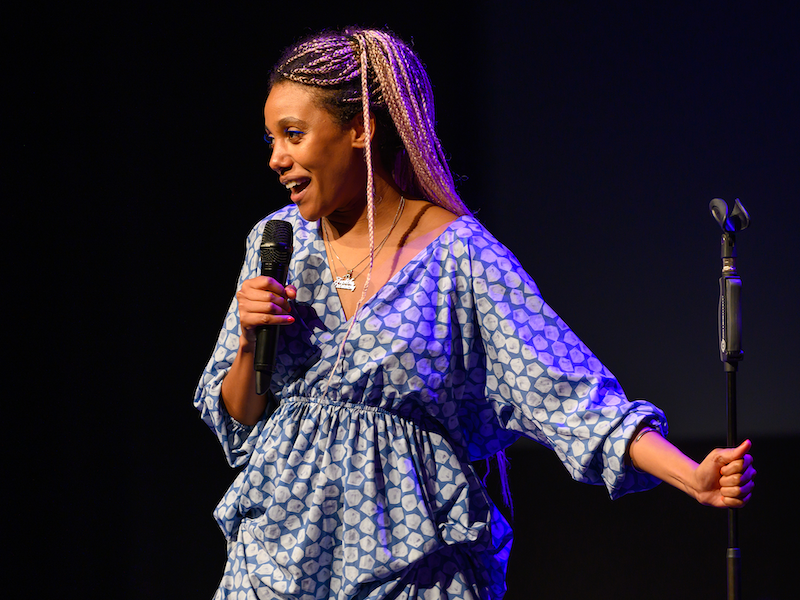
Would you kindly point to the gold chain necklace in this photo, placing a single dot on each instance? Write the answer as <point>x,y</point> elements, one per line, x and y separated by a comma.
<point>348,281</point>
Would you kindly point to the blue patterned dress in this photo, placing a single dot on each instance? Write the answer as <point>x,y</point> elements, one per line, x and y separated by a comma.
<point>365,490</point>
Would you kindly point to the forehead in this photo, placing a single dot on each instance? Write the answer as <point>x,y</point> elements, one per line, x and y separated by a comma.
<point>292,101</point>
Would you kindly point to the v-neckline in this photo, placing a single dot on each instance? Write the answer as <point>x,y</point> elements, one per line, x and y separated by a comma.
<point>345,320</point>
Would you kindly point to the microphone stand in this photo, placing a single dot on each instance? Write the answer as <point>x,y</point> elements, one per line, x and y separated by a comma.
<point>730,352</point>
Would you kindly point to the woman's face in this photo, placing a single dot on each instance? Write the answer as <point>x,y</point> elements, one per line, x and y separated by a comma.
<point>320,162</point>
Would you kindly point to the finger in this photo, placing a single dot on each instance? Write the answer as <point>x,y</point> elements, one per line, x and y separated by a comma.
<point>265,283</point>
<point>253,320</point>
<point>737,492</point>
<point>748,475</point>
<point>730,481</point>
<point>272,285</point>
<point>275,320</point>
<point>736,502</point>
<point>250,329</point>
<point>254,305</point>
<point>253,313</point>
<point>728,455</point>
<point>747,488</point>
<point>737,466</point>
<point>737,480</point>
<point>254,298</point>
<point>261,291</point>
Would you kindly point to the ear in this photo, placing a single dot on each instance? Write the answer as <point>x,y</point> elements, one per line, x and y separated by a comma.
<point>358,132</point>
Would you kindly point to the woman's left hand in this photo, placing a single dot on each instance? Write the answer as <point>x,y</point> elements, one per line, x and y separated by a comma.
<point>725,477</point>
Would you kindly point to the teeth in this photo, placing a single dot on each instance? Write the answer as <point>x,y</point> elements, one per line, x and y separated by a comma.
<point>293,184</point>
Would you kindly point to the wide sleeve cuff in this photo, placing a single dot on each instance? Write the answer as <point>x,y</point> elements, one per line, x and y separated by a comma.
<point>237,440</point>
<point>619,475</point>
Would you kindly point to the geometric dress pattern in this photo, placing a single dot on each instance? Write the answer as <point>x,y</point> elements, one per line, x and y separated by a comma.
<point>360,484</point>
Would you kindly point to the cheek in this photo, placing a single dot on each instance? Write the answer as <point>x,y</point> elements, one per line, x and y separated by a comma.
<point>344,170</point>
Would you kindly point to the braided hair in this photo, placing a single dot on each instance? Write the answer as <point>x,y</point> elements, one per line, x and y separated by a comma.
<point>371,71</point>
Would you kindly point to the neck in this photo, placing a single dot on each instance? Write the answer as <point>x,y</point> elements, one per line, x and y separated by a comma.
<point>351,225</point>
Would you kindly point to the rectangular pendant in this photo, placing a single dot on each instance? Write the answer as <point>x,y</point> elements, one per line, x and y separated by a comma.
<point>345,283</point>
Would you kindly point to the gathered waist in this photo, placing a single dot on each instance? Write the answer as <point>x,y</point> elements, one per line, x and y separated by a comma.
<point>323,401</point>
<point>407,412</point>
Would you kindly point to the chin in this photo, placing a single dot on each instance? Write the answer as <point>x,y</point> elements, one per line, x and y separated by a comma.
<point>309,213</point>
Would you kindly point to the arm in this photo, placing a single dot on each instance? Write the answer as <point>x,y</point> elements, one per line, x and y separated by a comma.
<point>723,479</point>
<point>541,381</point>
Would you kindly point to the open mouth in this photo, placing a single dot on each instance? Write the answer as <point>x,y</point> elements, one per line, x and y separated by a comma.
<point>296,186</point>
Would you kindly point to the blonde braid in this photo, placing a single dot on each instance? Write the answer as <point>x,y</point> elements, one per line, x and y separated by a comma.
<point>368,157</point>
<point>332,61</point>
<point>370,198</point>
<point>409,97</point>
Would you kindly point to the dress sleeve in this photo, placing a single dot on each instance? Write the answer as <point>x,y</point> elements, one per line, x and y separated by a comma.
<point>542,382</point>
<point>237,440</point>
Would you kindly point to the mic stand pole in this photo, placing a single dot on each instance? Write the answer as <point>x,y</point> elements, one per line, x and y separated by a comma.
<point>730,350</point>
<point>730,286</point>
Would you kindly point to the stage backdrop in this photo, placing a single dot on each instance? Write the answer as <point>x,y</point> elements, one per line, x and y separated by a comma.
<point>588,137</point>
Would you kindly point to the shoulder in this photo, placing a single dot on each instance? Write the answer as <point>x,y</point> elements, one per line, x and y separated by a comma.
<point>469,236</point>
<point>423,222</point>
<point>468,230</point>
<point>429,216</point>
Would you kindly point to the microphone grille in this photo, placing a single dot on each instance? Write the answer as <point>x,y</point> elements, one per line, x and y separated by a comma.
<point>276,242</point>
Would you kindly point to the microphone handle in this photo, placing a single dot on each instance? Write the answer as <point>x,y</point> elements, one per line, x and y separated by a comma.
<point>267,335</point>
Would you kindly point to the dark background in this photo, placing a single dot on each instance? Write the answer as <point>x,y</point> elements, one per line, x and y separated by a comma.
<point>589,138</point>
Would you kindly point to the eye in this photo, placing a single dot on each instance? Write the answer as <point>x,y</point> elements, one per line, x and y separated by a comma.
<point>293,135</point>
<point>269,139</point>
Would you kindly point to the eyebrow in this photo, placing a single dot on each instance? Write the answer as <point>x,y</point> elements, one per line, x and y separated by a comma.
<point>289,121</point>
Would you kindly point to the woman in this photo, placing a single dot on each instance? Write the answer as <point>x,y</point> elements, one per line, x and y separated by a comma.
<point>412,343</point>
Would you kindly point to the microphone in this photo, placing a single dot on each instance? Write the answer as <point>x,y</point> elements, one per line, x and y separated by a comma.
<point>276,250</point>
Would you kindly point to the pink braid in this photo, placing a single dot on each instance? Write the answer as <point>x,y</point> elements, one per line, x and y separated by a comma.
<point>370,200</point>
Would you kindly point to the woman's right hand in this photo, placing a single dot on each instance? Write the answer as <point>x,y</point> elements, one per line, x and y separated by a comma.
<point>263,301</point>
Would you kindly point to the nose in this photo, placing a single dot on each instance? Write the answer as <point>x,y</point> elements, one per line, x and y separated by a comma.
<point>279,161</point>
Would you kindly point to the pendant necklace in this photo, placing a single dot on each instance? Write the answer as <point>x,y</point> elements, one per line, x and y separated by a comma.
<point>348,281</point>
